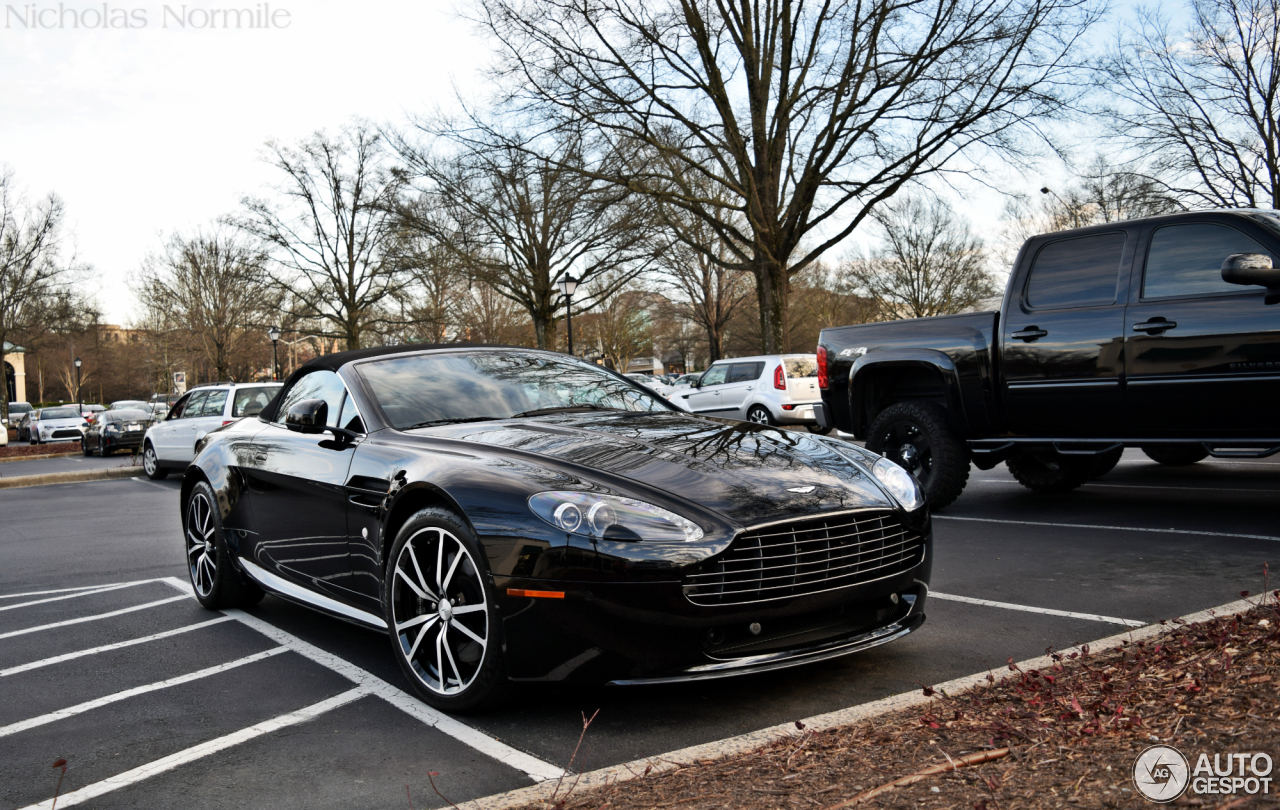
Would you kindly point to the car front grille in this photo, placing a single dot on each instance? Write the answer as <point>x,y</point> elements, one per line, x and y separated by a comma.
<point>807,556</point>
<point>71,433</point>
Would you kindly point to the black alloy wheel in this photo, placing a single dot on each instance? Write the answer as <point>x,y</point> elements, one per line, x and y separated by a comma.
<point>760,415</point>
<point>84,447</point>
<point>1046,470</point>
<point>1176,455</point>
<point>439,609</point>
<point>102,447</point>
<point>213,576</point>
<point>918,437</point>
<point>151,464</point>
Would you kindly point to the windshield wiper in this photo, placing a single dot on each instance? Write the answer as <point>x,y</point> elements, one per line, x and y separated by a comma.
<point>563,409</point>
<point>454,421</point>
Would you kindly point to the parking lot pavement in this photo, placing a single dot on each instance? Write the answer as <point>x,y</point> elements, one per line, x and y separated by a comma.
<point>280,706</point>
<point>63,464</point>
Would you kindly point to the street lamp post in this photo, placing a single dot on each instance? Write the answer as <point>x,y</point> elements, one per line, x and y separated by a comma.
<point>79,408</point>
<point>568,284</point>
<point>274,334</point>
<point>1075,218</point>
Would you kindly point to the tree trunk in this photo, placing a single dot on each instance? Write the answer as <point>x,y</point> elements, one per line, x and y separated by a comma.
<point>771,291</point>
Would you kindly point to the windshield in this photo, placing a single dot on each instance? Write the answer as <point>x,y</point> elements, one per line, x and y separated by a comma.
<point>19,407</point>
<point>424,390</point>
<point>60,413</point>
<point>801,366</point>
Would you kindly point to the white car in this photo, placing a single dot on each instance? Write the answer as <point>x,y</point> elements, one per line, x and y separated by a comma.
<point>171,444</point>
<point>682,383</point>
<point>16,411</point>
<point>652,383</point>
<point>769,390</point>
<point>58,424</point>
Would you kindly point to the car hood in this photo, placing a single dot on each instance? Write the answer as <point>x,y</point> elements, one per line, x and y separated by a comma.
<point>71,421</point>
<point>747,473</point>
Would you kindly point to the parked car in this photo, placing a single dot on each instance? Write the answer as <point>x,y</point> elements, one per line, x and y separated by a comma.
<point>62,423</point>
<point>116,429</point>
<point>170,445</point>
<point>767,390</point>
<point>651,382</point>
<point>90,412</point>
<point>1160,333</point>
<point>24,426</point>
<point>682,382</point>
<point>513,514</point>
<point>16,411</point>
<point>4,435</point>
<point>130,404</point>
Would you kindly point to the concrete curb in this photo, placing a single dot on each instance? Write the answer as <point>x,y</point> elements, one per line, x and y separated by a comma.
<point>43,455</point>
<point>76,477</point>
<point>746,743</point>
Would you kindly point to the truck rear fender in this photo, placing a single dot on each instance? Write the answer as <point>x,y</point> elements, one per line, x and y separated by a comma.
<point>880,378</point>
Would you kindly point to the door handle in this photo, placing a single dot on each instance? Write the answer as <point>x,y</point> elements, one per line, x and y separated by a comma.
<point>1155,326</point>
<point>259,456</point>
<point>1031,333</point>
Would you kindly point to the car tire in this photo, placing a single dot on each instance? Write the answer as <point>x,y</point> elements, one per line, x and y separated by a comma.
<point>1176,455</point>
<point>760,415</point>
<point>151,464</point>
<point>821,431</point>
<point>102,448</point>
<point>84,447</point>
<point>435,551</point>
<point>213,576</point>
<point>1104,463</point>
<point>940,460</point>
<point>1047,470</point>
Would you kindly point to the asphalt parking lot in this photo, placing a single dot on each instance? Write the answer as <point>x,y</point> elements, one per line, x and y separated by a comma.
<point>155,702</point>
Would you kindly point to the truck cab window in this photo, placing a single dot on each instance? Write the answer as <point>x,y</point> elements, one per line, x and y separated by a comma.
<point>1076,272</point>
<point>1186,260</point>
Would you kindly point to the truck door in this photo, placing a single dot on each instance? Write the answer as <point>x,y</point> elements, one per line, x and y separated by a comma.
<point>1062,338</point>
<point>1204,355</point>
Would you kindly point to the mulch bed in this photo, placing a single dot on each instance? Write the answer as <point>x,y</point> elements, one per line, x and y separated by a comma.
<point>22,449</point>
<point>1065,736</point>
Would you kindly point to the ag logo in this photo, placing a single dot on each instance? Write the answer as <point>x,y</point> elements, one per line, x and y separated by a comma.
<point>1161,773</point>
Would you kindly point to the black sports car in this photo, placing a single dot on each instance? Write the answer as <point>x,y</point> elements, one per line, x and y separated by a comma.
<point>517,515</point>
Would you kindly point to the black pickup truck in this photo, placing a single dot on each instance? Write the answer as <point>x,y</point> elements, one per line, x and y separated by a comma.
<point>1160,333</point>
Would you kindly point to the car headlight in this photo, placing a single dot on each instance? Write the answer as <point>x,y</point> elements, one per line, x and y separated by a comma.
<point>112,428</point>
<point>609,517</point>
<point>899,483</point>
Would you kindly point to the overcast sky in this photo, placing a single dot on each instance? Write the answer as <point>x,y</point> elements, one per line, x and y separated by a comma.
<point>160,126</point>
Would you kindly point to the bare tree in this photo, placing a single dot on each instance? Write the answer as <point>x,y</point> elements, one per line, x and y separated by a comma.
<point>215,284</point>
<point>709,292</point>
<point>620,323</point>
<point>330,228</point>
<point>522,213</point>
<point>36,283</point>
<point>1204,104</point>
<point>806,114</point>
<point>930,262</point>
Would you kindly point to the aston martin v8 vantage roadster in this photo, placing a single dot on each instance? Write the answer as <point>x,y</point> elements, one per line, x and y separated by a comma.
<point>510,515</point>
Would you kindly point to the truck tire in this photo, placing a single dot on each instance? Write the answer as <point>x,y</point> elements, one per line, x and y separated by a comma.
<point>918,436</point>
<point>1175,455</point>
<point>1048,471</point>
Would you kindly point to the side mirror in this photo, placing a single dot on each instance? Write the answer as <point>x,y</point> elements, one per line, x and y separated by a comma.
<point>696,383</point>
<point>1250,268</point>
<point>308,416</point>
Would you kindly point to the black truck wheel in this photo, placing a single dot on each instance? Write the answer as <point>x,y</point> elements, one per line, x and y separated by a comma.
<point>1175,455</point>
<point>1047,471</point>
<point>1102,464</point>
<point>918,436</point>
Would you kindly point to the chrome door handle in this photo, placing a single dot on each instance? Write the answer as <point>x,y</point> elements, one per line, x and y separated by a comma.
<point>1155,326</point>
<point>1029,334</point>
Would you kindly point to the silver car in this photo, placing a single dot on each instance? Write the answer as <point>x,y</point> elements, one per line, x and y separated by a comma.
<point>171,444</point>
<point>769,390</point>
<point>58,424</point>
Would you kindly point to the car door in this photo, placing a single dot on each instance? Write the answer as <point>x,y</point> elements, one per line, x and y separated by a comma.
<point>706,398</point>
<point>1062,337</point>
<point>1203,355</point>
<point>297,488</point>
<point>177,440</point>
<point>211,417</point>
<point>739,384</point>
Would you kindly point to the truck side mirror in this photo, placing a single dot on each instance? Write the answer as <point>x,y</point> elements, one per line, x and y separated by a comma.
<point>1253,269</point>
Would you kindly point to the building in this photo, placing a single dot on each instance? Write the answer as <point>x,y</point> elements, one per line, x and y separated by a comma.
<point>15,373</point>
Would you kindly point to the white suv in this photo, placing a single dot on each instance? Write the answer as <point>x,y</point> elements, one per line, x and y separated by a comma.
<point>776,389</point>
<point>171,444</point>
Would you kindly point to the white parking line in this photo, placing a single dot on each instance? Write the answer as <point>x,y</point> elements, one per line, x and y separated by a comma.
<point>68,590</point>
<point>92,618</point>
<point>1093,617</point>
<point>58,659</point>
<point>1144,486</point>
<point>1105,528</point>
<point>536,769</point>
<point>103,589</point>
<point>195,752</point>
<point>80,708</point>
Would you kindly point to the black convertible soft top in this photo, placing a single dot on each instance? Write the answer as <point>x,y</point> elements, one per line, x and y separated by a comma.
<point>337,360</point>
